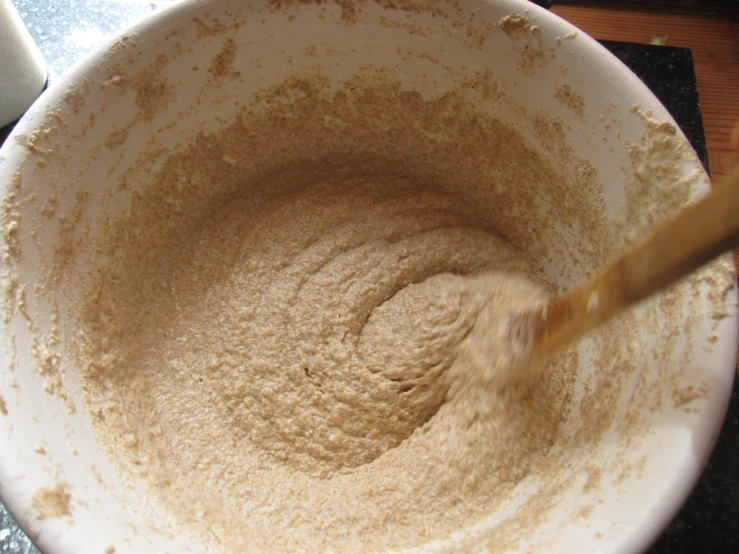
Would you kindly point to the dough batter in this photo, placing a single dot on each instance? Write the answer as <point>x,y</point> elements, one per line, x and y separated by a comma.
<point>333,374</point>
<point>301,344</point>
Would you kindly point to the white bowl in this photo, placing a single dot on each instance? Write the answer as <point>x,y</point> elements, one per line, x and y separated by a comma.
<point>612,494</point>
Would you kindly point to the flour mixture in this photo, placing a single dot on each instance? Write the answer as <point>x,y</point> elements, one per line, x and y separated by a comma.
<point>310,350</point>
<point>334,370</point>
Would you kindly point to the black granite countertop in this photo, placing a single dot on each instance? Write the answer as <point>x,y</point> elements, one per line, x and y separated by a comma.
<point>709,522</point>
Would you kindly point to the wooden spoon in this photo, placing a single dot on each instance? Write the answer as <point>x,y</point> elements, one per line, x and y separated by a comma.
<point>675,248</point>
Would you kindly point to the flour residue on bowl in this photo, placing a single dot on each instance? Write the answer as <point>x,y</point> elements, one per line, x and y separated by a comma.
<point>527,43</point>
<point>53,501</point>
<point>572,99</point>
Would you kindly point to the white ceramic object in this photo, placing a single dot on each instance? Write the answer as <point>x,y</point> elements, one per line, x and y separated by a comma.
<point>42,150</point>
<point>22,67</point>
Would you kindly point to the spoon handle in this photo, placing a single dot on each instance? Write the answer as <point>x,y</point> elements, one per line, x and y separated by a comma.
<point>678,246</point>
